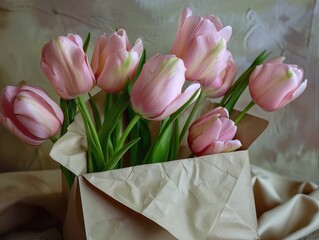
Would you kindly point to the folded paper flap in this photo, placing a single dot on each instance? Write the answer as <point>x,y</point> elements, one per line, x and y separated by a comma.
<point>105,216</point>
<point>249,128</point>
<point>70,149</point>
<point>196,190</point>
<point>239,214</point>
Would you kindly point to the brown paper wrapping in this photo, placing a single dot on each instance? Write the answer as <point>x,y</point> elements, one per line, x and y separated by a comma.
<point>200,198</point>
<point>209,197</point>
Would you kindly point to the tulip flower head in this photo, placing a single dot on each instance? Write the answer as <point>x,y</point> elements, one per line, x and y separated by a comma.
<point>201,43</point>
<point>213,133</point>
<point>274,84</point>
<point>114,61</point>
<point>66,66</point>
<point>157,93</point>
<point>30,114</point>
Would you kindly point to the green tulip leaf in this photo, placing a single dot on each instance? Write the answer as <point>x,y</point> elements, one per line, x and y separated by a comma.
<point>141,129</point>
<point>173,154</point>
<point>113,115</point>
<point>94,147</point>
<point>154,155</point>
<point>117,156</point>
<point>138,70</point>
<point>86,42</point>
<point>95,111</point>
<point>233,94</point>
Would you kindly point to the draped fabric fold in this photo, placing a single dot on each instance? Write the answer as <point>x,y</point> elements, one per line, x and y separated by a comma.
<point>286,209</point>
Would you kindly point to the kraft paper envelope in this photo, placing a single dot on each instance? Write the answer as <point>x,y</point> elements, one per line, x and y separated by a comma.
<point>209,197</point>
<point>201,198</point>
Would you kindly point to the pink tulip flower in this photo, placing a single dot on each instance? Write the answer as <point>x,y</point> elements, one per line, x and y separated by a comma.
<point>221,80</point>
<point>157,93</point>
<point>213,133</point>
<point>114,61</point>
<point>30,114</point>
<point>66,66</point>
<point>201,43</point>
<point>274,84</point>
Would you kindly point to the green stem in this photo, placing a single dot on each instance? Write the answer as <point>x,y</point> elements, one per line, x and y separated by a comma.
<point>66,123</point>
<point>191,115</point>
<point>90,166</point>
<point>243,113</point>
<point>116,134</point>
<point>233,94</point>
<point>127,131</point>
<point>230,91</point>
<point>107,104</point>
<point>149,158</point>
<point>69,176</point>
<point>175,141</point>
<point>243,83</point>
<point>95,156</point>
<point>86,115</point>
<point>53,139</point>
<point>95,111</point>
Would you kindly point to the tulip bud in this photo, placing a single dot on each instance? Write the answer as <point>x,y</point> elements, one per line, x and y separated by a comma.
<point>66,66</point>
<point>114,61</point>
<point>213,133</point>
<point>30,114</point>
<point>201,43</point>
<point>157,93</point>
<point>274,84</point>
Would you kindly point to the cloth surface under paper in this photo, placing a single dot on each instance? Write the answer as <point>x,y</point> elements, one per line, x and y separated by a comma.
<point>286,209</point>
<point>201,198</point>
<point>30,199</point>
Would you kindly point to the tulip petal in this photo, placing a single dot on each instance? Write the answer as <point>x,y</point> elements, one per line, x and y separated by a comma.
<point>7,100</point>
<point>273,88</point>
<point>300,90</point>
<point>117,69</point>
<point>185,13</point>
<point>202,61</point>
<point>21,133</point>
<point>231,145</point>
<point>228,130</point>
<point>65,64</point>
<point>201,135</point>
<point>216,21</point>
<point>76,39</point>
<point>159,84</point>
<point>42,97</point>
<point>220,147</point>
<point>226,33</point>
<point>291,96</point>
<point>30,114</point>
<point>122,34</point>
<point>192,28</point>
<point>97,60</point>
<point>178,102</point>
<point>35,117</point>
<point>138,47</point>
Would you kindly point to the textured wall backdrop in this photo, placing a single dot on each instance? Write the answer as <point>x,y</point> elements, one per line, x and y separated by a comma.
<point>286,27</point>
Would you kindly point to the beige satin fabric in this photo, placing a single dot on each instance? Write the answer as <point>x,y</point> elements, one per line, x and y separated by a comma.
<point>30,200</point>
<point>286,209</point>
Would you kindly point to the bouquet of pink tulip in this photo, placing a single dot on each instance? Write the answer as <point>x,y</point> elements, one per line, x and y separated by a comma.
<point>139,91</point>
